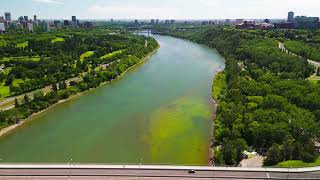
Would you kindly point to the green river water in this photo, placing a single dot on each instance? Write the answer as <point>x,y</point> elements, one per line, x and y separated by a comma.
<point>160,112</point>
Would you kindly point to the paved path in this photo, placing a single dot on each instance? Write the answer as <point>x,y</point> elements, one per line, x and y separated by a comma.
<point>77,171</point>
<point>284,49</point>
<point>146,44</point>
<point>256,161</point>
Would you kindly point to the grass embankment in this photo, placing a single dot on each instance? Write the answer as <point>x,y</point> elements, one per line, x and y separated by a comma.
<point>298,164</point>
<point>86,55</point>
<point>303,50</point>
<point>219,86</point>
<point>58,39</point>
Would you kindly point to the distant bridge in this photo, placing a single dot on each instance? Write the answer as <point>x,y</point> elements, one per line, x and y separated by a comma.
<point>154,172</point>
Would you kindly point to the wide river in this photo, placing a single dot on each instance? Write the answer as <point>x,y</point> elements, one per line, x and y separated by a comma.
<point>160,112</point>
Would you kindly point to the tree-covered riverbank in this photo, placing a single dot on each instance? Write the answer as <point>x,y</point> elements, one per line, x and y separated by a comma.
<point>158,111</point>
<point>268,106</point>
<point>95,70</point>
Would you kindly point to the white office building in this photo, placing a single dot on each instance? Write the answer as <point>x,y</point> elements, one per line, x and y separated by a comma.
<point>30,27</point>
<point>2,28</point>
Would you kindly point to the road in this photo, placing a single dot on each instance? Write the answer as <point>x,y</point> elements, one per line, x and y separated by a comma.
<point>151,172</point>
<point>8,103</point>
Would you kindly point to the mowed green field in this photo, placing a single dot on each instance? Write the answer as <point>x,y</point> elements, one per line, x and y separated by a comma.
<point>58,39</point>
<point>110,55</point>
<point>22,58</point>
<point>86,55</point>
<point>22,45</point>
<point>5,90</point>
<point>298,163</point>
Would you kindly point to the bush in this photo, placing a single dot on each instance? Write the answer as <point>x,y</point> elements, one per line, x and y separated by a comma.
<point>83,86</point>
<point>64,94</point>
<point>308,157</point>
<point>73,90</point>
<point>274,156</point>
<point>218,157</point>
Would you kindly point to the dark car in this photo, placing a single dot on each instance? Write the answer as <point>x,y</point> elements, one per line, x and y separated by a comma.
<point>191,171</point>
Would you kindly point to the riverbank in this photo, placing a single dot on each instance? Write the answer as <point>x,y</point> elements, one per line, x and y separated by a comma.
<point>218,86</point>
<point>10,128</point>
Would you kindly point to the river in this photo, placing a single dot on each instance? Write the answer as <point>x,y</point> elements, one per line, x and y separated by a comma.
<point>160,112</point>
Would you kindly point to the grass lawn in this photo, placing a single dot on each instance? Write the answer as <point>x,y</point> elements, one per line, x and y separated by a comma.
<point>21,58</point>
<point>58,39</point>
<point>22,45</point>
<point>110,55</point>
<point>297,163</point>
<point>86,55</point>
<point>5,90</point>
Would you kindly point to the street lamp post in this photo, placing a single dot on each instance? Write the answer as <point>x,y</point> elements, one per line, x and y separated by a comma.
<point>140,169</point>
<point>213,169</point>
<point>70,161</point>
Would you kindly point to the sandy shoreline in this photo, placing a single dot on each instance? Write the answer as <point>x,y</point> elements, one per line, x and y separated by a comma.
<point>8,129</point>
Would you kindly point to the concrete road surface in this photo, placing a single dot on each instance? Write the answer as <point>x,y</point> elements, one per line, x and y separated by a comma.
<point>154,172</point>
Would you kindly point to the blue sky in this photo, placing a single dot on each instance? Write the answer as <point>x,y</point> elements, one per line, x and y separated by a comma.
<point>162,9</point>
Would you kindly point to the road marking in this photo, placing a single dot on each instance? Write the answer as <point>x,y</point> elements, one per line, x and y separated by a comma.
<point>268,176</point>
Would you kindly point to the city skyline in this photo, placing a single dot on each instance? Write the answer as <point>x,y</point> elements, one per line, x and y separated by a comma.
<point>142,9</point>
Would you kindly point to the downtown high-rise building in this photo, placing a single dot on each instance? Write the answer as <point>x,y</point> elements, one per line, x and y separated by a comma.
<point>35,20</point>
<point>290,16</point>
<point>30,27</point>
<point>26,18</point>
<point>46,26</point>
<point>2,28</point>
<point>20,19</point>
<point>74,20</point>
<point>7,16</point>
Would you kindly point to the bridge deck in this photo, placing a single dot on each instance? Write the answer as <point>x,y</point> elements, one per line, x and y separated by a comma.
<point>76,171</point>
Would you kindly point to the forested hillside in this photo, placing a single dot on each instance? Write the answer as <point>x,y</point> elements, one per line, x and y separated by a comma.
<point>88,57</point>
<point>268,104</point>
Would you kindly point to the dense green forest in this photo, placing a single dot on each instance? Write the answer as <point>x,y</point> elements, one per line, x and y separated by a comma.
<point>305,43</point>
<point>265,102</point>
<point>90,57</point>
<point>303,49</point>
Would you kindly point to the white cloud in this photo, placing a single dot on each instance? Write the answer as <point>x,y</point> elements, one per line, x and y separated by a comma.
<point>130,11</point>
<point>209,3</point>
<point>49,2</point>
